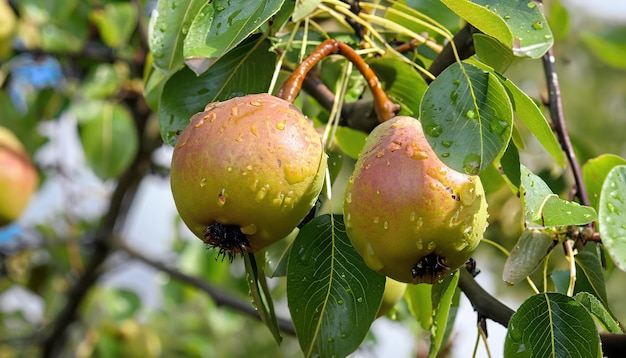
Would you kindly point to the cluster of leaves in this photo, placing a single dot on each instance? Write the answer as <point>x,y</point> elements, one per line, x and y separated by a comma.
<point>195,52</point>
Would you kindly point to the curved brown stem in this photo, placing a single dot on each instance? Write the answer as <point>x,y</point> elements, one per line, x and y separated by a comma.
<point>384,107</point>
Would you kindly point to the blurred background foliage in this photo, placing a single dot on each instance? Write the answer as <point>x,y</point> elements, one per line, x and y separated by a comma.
<point>68,68</point>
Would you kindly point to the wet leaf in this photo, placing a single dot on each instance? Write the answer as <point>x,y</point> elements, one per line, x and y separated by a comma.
<point>333,296</point>
<point>544,208</point>
<point>229,22</point>
<point>168,27</point>
<point>612,213</point>
<point>467,118</point>
<point>443,294</point>
<point>551,325</point>
<point>260,292</point>
<point>520,25</point>
<point>245,70</point>
<point>595,171</point>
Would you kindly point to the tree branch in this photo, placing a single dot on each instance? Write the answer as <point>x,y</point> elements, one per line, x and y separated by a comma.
<point>558,118</point>
<point>464,43</point>
<point>118,208</point>
<point>485,304</point>
<point>220,297</point>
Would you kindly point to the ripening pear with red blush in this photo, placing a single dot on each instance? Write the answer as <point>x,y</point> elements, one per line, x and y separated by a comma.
<point>409,215</point>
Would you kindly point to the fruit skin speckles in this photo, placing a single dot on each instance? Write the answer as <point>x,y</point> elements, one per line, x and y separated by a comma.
<point>255,163</point>
<point>410,216</point>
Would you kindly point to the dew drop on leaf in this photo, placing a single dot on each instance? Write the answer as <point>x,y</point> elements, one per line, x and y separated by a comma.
<point>434,130</point>
<point>471,164</point>
<point>471,114</point>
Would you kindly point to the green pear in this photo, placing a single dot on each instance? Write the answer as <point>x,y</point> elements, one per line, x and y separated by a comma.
<point>246,171</point>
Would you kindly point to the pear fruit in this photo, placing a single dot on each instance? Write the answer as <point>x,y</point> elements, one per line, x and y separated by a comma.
<point>409,215</point>
<point>246,171</point>
<point>18,177</point>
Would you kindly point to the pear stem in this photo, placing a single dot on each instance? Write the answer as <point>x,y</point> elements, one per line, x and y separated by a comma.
<point>384,107</point>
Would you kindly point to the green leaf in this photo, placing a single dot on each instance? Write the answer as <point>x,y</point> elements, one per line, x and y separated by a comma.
<point>533,192</point>
<point>350,141</point>
<point>419,300</point>
<point>401,82</point>
<point>609,45</point>
<point>595,171</point>
<point>545,208</point>
<point>534,119</point>
<point>260,292</point>
<point>493,53</point>
<point>551,325</point>
<point>561,279</point>
<point>559,20</point>
<point>443,294</point>
<point>519,24</point>
<point>247,69</point>
<point>332,295</point>
<point>196,37</point>
<point>115,22</point>
<point>510,163</point>
<point>109,139</point>
<point>589,272</point>
<point>492,179</point>
<point>153,83</point>
<point>304,9</point>
<point>529,251</point>
<point>277,255</point>
<point>230,22</point>
<point>467,117</point>
<point>558,212</point>
<point>101,82</point>
<point>169,25</point>
<point>596,308</point>
<point>612,213</point>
